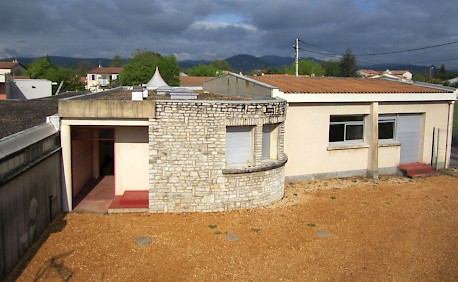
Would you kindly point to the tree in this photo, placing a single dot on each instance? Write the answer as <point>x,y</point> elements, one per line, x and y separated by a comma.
<point>44,69</point>
<point>116,61</point>
<point>203,70</point>
<point>307,67</point>
<point>143,64</point>
<point>39,68</point>
<point>331,68</point>
<point>221,65</point>
<point>442,73</point>
<point>348,66</point>
<point>215,68</point>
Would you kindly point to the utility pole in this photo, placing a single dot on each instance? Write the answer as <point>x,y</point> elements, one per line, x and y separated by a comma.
<point>297,57</point>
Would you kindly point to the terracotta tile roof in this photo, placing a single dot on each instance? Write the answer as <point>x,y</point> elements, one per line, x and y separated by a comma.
<point>193,80</point>
<point>7,65</point>
<point>103,70</point>
<point>292,84</point>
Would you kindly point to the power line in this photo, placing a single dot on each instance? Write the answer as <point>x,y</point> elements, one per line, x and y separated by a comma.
<point>408,50</point>
<point>321,53</point>
<point>333,55</point>
<point>443,60</point>
<point>319,47</point>
<point>337,55</point>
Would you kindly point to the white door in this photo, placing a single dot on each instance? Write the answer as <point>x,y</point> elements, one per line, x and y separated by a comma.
<point>408,134</point>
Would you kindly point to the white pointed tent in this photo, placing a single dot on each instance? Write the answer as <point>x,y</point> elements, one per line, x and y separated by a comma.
<point>156,81</point>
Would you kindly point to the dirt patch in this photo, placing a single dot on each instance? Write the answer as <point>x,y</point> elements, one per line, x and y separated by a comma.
<point>344,229</point>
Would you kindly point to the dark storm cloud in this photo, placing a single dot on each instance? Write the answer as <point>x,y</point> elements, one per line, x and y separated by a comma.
<point>210,29</point>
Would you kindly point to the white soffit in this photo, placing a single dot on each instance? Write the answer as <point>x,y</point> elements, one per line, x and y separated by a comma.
<point>358,97</point>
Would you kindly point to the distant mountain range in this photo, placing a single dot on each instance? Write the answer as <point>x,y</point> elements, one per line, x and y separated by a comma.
<point>239,63</point>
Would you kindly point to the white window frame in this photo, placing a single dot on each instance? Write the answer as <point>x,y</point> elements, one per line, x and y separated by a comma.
<point>347,123</point>
<point>387,118</point>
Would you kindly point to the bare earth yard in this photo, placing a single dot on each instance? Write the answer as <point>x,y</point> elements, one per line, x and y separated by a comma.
<point>344,229</point>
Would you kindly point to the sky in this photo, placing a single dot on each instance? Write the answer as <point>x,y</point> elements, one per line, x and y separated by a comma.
<point>218,29</point>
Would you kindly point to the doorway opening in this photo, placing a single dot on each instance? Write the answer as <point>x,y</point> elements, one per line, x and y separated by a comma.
<point>93,170</point>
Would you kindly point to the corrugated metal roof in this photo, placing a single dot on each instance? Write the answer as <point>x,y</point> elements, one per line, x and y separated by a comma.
<point>322,85</point>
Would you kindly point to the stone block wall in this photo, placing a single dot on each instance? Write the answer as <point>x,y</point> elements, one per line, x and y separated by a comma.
<point>187,147</point>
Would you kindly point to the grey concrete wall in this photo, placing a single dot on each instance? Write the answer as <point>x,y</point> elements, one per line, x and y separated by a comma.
<point>231,85</point>
<point>106,109</point>
<point>188,151</point>
<point>30,194</point>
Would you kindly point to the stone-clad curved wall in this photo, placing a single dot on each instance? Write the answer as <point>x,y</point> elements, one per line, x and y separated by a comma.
<point>187,161</point>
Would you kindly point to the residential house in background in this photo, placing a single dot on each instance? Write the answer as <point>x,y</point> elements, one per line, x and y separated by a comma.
<point>368,73</point>
<point>12,68</point>
<point>8,68</point>
<point>101,77</point>
<point>399,74</point>
<point>453,81</point>
<point>403,75</point>
<point>339,127</point>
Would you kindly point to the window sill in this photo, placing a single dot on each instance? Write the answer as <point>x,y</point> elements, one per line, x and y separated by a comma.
<point>347,147</point>
<point>389,143</point>
<point>265,165</point>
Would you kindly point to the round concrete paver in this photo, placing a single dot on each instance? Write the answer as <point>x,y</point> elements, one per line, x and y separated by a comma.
<point>231,237</point>
<point>143,240</point>
<point>323,233</point>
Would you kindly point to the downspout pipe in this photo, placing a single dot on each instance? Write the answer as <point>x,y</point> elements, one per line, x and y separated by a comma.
<point>448,148</point>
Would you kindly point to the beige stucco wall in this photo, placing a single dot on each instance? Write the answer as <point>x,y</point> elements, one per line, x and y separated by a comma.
<point>131,159</point>
<point>434,115</point>
<point>307,140</point>
<point>307,134</point>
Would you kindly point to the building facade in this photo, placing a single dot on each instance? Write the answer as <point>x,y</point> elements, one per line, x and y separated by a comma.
<point>101,77</point>
<point>200,155</point>
<point>348,126</point>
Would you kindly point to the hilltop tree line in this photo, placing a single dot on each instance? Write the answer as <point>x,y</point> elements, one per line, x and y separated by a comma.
<point>140,68</point>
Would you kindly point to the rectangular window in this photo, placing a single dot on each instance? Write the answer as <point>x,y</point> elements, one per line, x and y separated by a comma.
<point>346,129</point>
<point>386,127</point>
<point>239,144</point>
<point>93,77</point>
<point>269,141</point>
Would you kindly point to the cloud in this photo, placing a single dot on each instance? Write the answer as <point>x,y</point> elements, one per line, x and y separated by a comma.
<point>207,29</point>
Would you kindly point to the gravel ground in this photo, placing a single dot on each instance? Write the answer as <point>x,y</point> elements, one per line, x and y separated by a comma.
<point>345,229</point>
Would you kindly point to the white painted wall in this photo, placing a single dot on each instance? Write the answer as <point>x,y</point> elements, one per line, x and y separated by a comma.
<point>131,159</point>
<point>307,134</point>
<point>307,140</point>
<point>30,89</point>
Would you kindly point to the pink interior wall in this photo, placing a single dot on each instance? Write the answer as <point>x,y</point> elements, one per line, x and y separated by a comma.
<point>81,164</point>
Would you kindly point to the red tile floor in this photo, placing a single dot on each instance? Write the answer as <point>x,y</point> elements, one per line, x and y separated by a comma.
<point>98,200</point>
<point>102,199</point>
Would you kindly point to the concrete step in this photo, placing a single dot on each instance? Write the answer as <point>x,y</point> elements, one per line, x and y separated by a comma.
<point>417,170</point>
<point>138,199</point>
